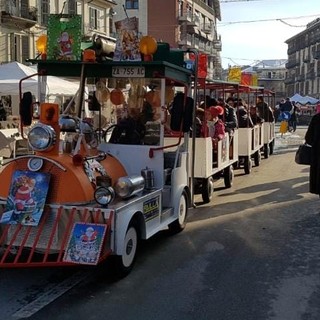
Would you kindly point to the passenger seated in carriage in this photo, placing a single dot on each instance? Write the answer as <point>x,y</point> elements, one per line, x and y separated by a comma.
<point>229,117</point>
<point>244,117</point>
<point>254,113</point>
<point>264,110</point>
<point>215,126</point>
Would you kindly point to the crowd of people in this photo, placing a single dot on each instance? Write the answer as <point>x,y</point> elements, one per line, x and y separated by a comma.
<point>216,117</point>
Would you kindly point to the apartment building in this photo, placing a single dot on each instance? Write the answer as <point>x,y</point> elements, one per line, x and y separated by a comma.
<point>22,21</point>
<point>303,66</point>
<point>181,23</point>
<point>271,74</point>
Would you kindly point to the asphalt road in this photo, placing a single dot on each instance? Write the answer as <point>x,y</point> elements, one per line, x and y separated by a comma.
<point>253,253</point>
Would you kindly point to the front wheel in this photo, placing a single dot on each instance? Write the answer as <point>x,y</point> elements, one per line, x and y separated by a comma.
<point>125,262</point>
<point>179,224</point>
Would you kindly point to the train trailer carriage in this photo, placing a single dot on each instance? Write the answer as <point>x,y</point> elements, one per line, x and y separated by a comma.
<point>250,144</point>
<point>89,192</point>
<point>214,158</point>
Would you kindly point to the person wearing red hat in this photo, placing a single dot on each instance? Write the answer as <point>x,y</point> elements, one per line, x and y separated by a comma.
<point>215,126</point>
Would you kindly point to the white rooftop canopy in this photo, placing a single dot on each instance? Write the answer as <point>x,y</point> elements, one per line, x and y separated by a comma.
<point>11,73</point>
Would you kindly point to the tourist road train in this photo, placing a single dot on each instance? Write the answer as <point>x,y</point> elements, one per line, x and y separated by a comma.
<point>116,165</point>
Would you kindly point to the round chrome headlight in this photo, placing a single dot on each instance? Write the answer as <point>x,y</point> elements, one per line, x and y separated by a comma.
<point>42,137</point>
<point>104,195</point>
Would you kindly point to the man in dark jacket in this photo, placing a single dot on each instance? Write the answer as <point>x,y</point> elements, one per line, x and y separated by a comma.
<point>230,116</point>
<point>243,114</point>
<point>312,138</point>
<point>264,111</point>
<point>286,106</point>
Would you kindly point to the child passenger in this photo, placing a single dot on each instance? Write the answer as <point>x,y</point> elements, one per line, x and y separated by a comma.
<point>216,127</point>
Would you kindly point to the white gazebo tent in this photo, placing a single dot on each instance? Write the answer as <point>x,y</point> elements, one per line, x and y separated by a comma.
<point>11,74</point>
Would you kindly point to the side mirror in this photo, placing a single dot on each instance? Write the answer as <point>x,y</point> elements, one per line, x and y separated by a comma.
<point>26,109</point>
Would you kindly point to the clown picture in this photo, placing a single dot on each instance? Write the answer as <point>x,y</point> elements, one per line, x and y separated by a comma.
<point>27,195</point>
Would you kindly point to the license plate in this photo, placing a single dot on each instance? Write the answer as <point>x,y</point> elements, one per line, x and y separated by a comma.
<point>133,72</point>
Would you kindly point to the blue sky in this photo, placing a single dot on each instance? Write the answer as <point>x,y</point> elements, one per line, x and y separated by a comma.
<point>247,43</point>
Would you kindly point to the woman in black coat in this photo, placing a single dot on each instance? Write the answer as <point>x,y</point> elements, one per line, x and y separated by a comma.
<point>312,137</point>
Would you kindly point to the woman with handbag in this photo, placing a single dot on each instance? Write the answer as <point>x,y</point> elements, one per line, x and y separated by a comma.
<point>312,138</point>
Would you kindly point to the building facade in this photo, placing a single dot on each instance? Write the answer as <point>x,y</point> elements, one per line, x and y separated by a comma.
<point>181,23</point>
<point>303,66</point>
<point>271,74</point>
<point>23,21</point>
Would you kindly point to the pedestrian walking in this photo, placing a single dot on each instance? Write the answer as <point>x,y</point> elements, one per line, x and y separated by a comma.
<point>312,138</point>
<point>293,119</point>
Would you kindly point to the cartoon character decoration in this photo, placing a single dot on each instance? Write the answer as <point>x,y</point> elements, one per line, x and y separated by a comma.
<point>65,45</point>
<point>85,243</point>
<point>23,197</point>
<point>127,45</point>
<point>26,199</point>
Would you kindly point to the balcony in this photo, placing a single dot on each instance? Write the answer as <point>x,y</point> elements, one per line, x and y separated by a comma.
<point>316,55</point>
<point>208,49</point>
<point>292,64</point>
<point>24,17</point>
<point>188,18</point>
<point>186,41</point>
<point>300,78</point>
<point>207,28</point>
<point>217,44</point>
<point>311,75</point>
<point>289,80</point>
<point>306,59</point>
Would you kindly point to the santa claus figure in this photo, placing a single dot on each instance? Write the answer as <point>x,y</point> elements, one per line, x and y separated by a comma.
<point>23,196</point>
<point>65,43</point>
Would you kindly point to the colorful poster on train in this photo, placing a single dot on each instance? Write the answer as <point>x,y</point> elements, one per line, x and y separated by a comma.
<point>85,243</point>
<point>127,46</point>
<point>26,199</point>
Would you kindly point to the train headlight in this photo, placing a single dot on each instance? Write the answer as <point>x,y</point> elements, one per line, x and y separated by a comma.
<point>42,137</point>
<point>104,195</point>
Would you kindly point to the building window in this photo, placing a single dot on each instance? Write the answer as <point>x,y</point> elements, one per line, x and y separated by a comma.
<point>271,75</point>
<point>180,9</point>
<point>94,16</point>
<point>132,4</point>
<point>19,48</point>
<point>45,11</point>
<point>14,47</point>
<point>25,48</point>
<point>72,7</point>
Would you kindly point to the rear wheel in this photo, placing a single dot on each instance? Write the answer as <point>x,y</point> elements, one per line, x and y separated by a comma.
<point>266,151</point>
<point>207,189</point>
<point>247,165</point>
<point>125,262</point>
<point>271,146</point>
<point>228,175</point>
<point>179,224</point>
<point>257,158</point>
